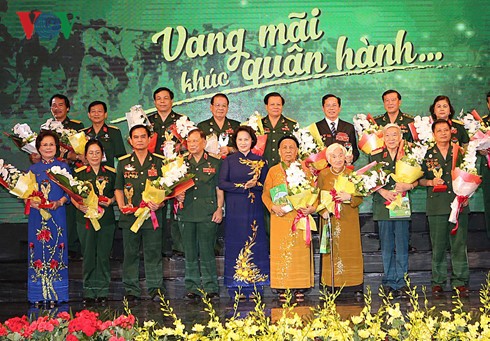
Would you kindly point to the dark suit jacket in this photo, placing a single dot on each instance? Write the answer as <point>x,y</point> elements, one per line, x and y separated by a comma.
<point>345,134</point>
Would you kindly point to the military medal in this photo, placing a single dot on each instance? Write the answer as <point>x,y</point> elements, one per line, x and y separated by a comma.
<point>438,188</point>
<point>152,171</point>
<point>128,193</point>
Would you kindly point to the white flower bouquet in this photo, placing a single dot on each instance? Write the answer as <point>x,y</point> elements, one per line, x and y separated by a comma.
<point>301,194</point>
<point>370,135</point>
<point>408,168</point>
<point>23,137</point>
<point>9,175</point>
<point>465,181</point>
<point>70,139</point>
<point>477,129</point>
<point>311,147</point>
<point>255,122</point>
<point>421,130</point>
<point>367,179</point>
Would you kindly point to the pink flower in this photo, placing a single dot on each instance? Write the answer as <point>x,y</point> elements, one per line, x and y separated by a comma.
<point>64,316</point>
<point>115,338</point>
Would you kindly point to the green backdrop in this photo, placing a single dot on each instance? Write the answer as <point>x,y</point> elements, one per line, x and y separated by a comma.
<point>120,51</point>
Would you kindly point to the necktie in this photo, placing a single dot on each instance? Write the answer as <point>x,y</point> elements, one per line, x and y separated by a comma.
<point>332,128</point>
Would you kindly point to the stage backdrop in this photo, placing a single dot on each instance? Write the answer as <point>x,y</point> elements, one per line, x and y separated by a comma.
<point>121,51</point>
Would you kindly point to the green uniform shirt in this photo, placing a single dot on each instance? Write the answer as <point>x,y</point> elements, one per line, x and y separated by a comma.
<point>403,120</point>
<point>284,126</point>
<point>111,139</point>
<point>103,184</point>
<point>439,203</point>
<point>200,201</point>
<point>72,124</point>
<point>160,127</point>
<point>210,127</point>
<point>459,134</point>
<point>131,179</point>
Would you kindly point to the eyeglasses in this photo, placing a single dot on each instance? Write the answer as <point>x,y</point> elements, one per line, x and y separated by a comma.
<point>96,153</point>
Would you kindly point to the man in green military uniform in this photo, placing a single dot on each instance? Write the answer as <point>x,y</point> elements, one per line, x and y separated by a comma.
<point>437,178</point>
<point>160,121</point>
<point>109,136</point>
<point>96,245</point>
<point>485,173</point>
<point>199,218</point>
<point>220,125</point>
<point>276,125</point>
<point>132,172</point>
<point>392,101</point>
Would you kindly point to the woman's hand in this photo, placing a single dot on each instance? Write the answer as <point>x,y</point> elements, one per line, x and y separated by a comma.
<point>343,196</point>
<point>34,204</point>
<point>217,216</point>
<point>325,214</point>
<point>307,210</point>
<point>388,195</point>
<point>154,207</point>
<point>251,183</point>
<point>277,210</point>
<point>57,204</point>
<point>81,207</point>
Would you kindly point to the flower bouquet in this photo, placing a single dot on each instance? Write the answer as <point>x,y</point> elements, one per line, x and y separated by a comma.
<point>70,139</point>
<point>477,129</point>
<point>301,194</point>
<point>24,186</point>
<point>180,130</point>
<point>23,137</point>
<point>370,135</point>
<point>311,147</point>
<point>421,130</point>
<point>137,116</point>
<point>368,179</point>
<point>80,191</point>
<point>328,199</point>
<point>465,181</point>
<point>255,122</point>
<point>175,180</point>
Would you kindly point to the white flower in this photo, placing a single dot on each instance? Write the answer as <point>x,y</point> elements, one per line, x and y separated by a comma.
<point>255,122</point>
<point>52,124</point>
<point>23,131</point>
<point>63,172</point>
<point>297,179</point>
<point>423,126</point>
<point>469,159</point>
<point>184,126</point>
<point>169,149</point>
<point>363,125</point>
<point>307,144</point>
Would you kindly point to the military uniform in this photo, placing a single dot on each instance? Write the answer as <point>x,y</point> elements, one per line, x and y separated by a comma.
<point>171,233</point>
<point>97,245</point>
<point>210,127</point>
<point>403,120</point>
<point>197,230</point>
<point>160,127</point>
<point>111,139</point>
<point>393,232</point>
<point>131,177</point>
<point>485,174</point>
<point>72,124</point>
<point>284,126</point>
<point>459,134</point>
<point>438,210</point>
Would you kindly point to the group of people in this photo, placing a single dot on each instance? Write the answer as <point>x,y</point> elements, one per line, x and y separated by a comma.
<point>234,187</point>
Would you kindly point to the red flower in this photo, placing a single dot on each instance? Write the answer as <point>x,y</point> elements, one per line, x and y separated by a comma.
<point>16,324</point>
<point>44,235</point>
<point>38,264</point>
<point>53,264</point>
<point>61,246</point>
<point>64,316</point>
<point>3,330</point>
<point>124,321</point>
<point>31,245</point>
<point>71,338</point>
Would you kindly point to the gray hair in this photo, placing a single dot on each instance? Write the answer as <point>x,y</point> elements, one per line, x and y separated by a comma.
<point>333,147</point>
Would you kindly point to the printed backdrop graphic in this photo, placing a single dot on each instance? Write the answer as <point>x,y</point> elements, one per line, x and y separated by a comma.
<point>121,51</point>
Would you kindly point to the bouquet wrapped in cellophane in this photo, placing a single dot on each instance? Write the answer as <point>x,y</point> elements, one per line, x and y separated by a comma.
<point>255,122</point>
<point>311,147</point>
<point>369,133</point>
<point>465,182</point>
<point>180,130</point>
<point>421,130</point>
<point>368,179</point>
<point>301,194</point>
<point>70,139</point>
<point>477,129</point>
<point>23,137</point>
<point>80,191</point>
<point>24,186</point>
<point>175,180</point>
<point>328,199</point>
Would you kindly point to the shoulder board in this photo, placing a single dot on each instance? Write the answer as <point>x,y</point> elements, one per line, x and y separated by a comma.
<point>484,117</point>
<point>376,152</point>
<point>457,121</point>
<point>407,115</point>
<point>123,157</point>
<point>113,127</point>
<point>79,169</point>
<point>111,169</point>
<point>159,155</point>
<point>215,157</point>
<point>75,121</point>
<point>379,116</point>
<point>86,128</point>
<point>290,119</point>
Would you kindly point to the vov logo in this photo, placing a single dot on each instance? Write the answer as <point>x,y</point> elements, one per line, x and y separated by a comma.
<point>47,25</point>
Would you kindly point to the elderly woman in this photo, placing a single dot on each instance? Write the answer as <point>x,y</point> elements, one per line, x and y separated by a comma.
<point>437,178</point>
<point>442,109</point>
<point>291,258</point>
<point>47,280</point>
<point>393,230</point>
<point>346,249</point>
<point>241,177</point>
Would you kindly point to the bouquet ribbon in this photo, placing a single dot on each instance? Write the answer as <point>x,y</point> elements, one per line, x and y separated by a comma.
<point>37,196</point>
<point>303,219</point>
<point>456,208</point>
<point>391,205</point>
<point>143,213</point>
